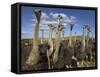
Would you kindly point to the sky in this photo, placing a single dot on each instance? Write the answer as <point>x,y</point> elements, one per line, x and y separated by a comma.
<point>49,16</point>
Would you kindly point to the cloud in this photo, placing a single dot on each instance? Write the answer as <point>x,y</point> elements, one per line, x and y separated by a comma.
<point>66,19</point>
<point>33,20</point>
<point>47,22</point>
<point>72,17</point>
<point>44,23</point>
<point>44,16</point>
<point>55,15</point>
<point>51,18</point>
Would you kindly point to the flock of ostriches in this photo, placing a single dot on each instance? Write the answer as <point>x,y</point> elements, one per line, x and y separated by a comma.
<point>58,53</point>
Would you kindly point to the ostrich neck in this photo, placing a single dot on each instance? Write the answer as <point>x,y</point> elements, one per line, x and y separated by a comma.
<point>58,39</point>
<point>50,36</point>
<point>50,39</point>
<point>88,33</point>
<point>34,54</point>
<point>83,40</point>
<point>71,33</point>
<point>36,30</point>
<point>57,46</point>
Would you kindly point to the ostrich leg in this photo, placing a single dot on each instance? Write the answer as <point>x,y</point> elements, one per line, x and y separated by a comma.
<point>49,65</point>
<point>34,54</point>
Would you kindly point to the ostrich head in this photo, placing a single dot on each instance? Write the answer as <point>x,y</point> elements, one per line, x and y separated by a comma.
<point>37,13</point>
<point>51,27</point>
<point>59,19</point>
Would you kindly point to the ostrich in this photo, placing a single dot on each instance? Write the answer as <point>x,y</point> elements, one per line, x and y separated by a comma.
<point>84,47</point>
<point>71,29</point>
<point>75,38</point>
<point>88,35</point>
<point>59,28</point>
<point>34,54</point>
<point>62,57</point>
<point>84,38</point>
<point>57,46</point>
<point>89,45</point>
<point>50,51</point>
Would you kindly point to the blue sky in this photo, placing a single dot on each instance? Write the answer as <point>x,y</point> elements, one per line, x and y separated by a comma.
<point>49,16</point>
